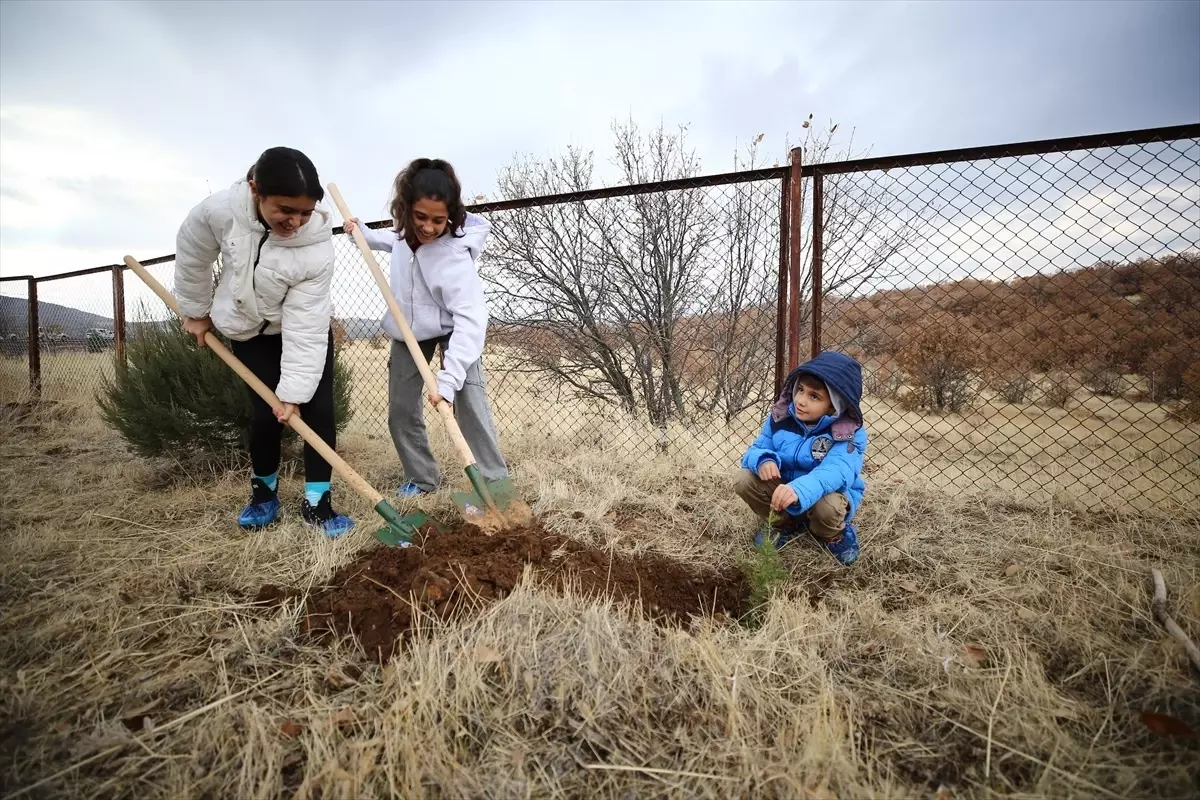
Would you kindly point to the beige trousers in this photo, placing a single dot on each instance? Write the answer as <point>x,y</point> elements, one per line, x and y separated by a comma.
<point>826,519</point>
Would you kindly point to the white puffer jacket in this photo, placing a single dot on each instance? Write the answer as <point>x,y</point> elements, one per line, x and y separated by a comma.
<point>288,292</point>
<point>439,291</point>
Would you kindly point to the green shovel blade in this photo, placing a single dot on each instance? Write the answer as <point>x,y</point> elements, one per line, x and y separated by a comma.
<point>474,504</point>
<point>400,530</point>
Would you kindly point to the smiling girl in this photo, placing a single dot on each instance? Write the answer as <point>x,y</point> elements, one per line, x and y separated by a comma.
<point>272,301</point>
<point>434,245</point>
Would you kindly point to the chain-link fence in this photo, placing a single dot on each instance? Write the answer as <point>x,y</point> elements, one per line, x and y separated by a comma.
<point>1028,321</point>
<point>640,322</point>
<point>1028,317</point>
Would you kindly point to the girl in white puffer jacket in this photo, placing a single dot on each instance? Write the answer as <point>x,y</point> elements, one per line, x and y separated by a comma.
<point>273,303</point>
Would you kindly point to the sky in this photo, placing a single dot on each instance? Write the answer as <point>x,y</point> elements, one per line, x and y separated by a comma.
<point>116,118</point>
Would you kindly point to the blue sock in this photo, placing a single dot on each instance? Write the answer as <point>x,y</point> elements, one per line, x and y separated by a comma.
<point>313,490</point>
<point>271,480</point>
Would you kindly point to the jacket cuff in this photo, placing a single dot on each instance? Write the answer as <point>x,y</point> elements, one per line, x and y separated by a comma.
<point>193,310</point>
<point>288,392</point>
<point>446,387</point>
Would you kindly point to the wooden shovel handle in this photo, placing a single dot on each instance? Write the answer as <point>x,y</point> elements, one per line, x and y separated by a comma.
<point>444,408</point>
<point>355,480</point>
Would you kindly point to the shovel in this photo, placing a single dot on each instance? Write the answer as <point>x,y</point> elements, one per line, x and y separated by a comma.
<point>495,504</point>
<point>399,530</point>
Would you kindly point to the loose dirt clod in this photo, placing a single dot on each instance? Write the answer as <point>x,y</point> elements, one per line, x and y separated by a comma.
<point>376,596</point>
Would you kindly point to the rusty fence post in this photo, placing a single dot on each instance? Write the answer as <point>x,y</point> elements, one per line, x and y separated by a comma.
<point>796,218</point>
<point>781,305</point>
<point>818,232</point>
<point>35,354</point>
<point>118,277</point>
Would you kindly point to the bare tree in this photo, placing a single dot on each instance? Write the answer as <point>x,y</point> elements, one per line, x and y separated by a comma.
<point>550,296</point>
<point>737,336</point>
<point>664,302</point>
<point>604,285</point>
<point>654,250</point>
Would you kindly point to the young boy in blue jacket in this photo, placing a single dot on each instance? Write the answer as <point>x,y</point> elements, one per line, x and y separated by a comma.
<point>806,464</point>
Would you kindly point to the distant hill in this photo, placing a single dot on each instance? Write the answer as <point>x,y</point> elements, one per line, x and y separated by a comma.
<point>74,324</point>
<point>1128,317</point>
<point>359,328</point>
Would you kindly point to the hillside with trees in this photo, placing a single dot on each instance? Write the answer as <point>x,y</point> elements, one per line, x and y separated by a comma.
<point>1097,325</point>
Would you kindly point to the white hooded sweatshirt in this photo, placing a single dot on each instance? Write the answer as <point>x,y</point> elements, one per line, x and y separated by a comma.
<point>439,291</point>
<point>287,292</point>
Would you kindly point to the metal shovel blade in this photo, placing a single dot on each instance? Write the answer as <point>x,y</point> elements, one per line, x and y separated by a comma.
<point>510,510</point>
<point>400,530</point>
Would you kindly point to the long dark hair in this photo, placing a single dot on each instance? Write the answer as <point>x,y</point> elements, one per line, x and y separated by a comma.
<point>432,178</point>
<point>285,172</point>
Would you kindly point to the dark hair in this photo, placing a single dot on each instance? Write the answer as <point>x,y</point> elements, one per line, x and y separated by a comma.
<point>811,380</point>
<point>286,172</point>
<point>430,178</point>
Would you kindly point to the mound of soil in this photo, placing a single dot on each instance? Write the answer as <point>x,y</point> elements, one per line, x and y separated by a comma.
<point>374,596</point>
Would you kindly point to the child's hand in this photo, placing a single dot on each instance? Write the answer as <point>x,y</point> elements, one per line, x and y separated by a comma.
<point>198,328</point>
<point>350,225</point>
<point>435,398</point>
<point>285,412</point>
<point>783,497</point>
<point>769,471</point>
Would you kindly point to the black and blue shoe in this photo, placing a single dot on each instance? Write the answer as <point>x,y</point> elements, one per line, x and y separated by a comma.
<point>782,533</point>
<point>263,508</point>
<point>845,547</point>
<point>324,518</point>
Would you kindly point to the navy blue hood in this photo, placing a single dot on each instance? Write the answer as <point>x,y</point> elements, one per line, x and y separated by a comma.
<point>837,371</point>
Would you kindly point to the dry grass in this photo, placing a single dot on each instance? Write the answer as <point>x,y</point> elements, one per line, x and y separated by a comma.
<point>984,644</point>
<point>1101,454</point>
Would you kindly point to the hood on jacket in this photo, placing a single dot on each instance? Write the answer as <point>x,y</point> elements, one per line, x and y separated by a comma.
<point>318,228</point>
<point>842,376</point>
<point>475,231</point>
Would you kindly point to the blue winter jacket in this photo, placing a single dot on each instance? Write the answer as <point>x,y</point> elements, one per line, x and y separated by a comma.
<point>825,457</point>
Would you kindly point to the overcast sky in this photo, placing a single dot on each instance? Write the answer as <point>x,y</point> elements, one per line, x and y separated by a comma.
<point>117,117</point>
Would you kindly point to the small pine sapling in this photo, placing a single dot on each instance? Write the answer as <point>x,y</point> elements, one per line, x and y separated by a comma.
<point>764,572</point>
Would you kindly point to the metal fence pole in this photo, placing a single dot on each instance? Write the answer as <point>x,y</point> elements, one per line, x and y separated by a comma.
<point>818,232</point>
<point>796,217</point>
<point>35,355</point>
<point>118,277</point>
<point>781,306</point>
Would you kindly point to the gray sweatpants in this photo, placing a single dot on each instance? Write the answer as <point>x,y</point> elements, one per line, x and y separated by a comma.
<point>406,402</point>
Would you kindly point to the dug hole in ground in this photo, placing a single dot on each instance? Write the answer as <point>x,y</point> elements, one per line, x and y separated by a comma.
<point>983,645</point>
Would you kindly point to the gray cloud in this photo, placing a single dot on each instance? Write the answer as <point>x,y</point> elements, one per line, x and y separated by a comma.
<point>363,87</point>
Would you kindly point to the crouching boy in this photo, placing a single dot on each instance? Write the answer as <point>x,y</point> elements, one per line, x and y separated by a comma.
<point>806,464</point>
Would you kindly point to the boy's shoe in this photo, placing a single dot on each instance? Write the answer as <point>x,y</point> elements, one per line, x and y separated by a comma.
<point>324,518</point>
<point>263,508</point>
<point>845,547</point>
<point>410,489</point>
<point>783,533</point>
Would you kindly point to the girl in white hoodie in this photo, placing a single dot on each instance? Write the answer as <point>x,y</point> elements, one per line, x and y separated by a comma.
<point>272,301</point>
<point>434,245</point>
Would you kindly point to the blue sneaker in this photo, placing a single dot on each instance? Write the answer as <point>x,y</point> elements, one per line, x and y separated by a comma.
<point>845,547</point>
<point>263,508</point>
<point>324,518</point>
<point>410,489</point>
<point>783,533</point>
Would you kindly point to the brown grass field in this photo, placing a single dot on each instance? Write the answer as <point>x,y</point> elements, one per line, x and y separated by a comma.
<point>991,641</point>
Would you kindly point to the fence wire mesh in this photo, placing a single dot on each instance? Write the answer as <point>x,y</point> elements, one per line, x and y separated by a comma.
<point>1029,323</point>
<point>642,323</point>
<point>14,326</point>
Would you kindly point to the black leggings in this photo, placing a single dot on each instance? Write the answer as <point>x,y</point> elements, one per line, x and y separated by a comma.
<point>262,355</point>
